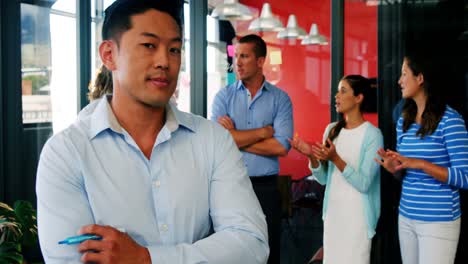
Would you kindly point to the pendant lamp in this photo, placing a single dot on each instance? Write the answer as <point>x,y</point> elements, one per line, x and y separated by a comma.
<point>292,30</point>
<point>232,10</point>
<point>266,21</point>
<point>314,38</point>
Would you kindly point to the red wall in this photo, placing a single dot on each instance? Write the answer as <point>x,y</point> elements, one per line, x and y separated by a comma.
<point>305,70</point>
<point>361,43</point>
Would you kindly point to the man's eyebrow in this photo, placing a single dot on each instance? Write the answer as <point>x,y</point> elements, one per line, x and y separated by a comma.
<point>152,35</point>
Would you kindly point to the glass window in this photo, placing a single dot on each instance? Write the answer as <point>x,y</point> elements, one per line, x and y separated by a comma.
<point>303,71</point>
<point>182,94</point>
<point>97,18</point>
<point>360,46</point>
<point>48,50</point>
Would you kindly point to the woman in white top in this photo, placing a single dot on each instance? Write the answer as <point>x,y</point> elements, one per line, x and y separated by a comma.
<point>344,162</point>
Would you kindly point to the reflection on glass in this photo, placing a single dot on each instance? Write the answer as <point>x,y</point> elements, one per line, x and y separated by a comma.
<point>360,50</point>
<point>303,71</point>
<point>64,6</point>
<point>64,80</point>
<point>48,50</point>
<point>97,14</point>
<point>181,96</point>
<point>36,65</point>
<point>98,6</point>
<point>220,34</point>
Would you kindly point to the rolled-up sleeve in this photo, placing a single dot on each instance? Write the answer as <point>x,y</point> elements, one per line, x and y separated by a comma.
<point>219,106</point>
<point>283,122</point>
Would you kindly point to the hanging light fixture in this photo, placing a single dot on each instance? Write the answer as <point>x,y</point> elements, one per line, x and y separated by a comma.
<point>232,10</point>
<point>292,30</point>
<point>314,37</point>
<point>266,21</point>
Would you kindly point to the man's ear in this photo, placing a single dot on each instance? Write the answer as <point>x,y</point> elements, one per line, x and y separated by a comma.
<point>107,53</point>
<point>260,62</point>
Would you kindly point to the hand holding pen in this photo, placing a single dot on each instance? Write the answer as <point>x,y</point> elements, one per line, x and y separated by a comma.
<point>78,239</point>
<point>113,247</point>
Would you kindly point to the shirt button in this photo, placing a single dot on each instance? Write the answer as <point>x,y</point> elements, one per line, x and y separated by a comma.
<point>157,183</point>
<point>164,227</point>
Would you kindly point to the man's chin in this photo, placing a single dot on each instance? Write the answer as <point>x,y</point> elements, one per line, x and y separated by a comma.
<point>155,103</point>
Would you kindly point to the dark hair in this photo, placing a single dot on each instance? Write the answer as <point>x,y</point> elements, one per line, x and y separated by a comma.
<point>117,17</point>
<point>260,48</point>
<point>360,85</point>
<point>101,85</point>
<point>421,62</point>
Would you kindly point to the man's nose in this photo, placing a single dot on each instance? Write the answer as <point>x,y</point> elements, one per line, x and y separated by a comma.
<point>161,59</point>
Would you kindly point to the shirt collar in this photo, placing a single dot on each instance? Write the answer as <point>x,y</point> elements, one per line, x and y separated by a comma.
<point>265,85</point>
<point>103,118</point>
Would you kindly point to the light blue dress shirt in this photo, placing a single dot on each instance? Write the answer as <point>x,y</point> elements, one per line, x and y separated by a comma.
<point>191,202</point>
<point>270,106</point>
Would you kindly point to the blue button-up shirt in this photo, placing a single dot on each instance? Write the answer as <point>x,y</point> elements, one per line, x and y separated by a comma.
<point>194,184</point>
<point>270,106</point>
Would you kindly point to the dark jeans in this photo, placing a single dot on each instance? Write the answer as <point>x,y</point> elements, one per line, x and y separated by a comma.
<point>266,189</point>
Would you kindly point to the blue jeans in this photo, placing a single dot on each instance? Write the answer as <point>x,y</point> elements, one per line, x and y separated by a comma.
<point>428,242</point>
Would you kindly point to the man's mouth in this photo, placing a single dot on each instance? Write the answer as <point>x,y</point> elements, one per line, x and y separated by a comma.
<point>159,81</point>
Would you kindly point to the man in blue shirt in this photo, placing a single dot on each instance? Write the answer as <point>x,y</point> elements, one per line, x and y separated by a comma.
<point>259,117</point>
<point>156,184</point>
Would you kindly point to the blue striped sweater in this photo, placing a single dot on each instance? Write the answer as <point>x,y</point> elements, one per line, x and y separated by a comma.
<point>423,197</point>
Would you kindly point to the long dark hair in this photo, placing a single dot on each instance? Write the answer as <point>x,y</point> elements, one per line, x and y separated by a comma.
<point>101,85</point>
<point>360,85</point>
<point>420,63</point>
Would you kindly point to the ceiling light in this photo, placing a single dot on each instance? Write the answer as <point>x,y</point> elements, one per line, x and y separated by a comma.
<point>314,37</point>
<point>292,30</point>
<point>266,21</point>
<point>232,10</point>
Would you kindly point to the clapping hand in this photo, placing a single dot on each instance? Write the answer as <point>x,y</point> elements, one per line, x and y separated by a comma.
<point>405,162</point>
<point>301,146</point>
<point>322,152</point>
<point>390,160</point>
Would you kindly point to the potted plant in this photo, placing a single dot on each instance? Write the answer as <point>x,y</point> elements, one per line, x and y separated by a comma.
<point>18,229</point>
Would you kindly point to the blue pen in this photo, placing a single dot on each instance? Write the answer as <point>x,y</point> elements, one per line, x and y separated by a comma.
<point>78,239</point>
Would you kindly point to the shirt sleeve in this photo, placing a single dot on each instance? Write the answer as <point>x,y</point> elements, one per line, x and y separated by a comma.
<point>320,173</point>
<point>219,107</point>
<point>456,141</point>
<point>283,122</point>
<point>62,206</point>
<point>240,230</point>
<point>361,178</point>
